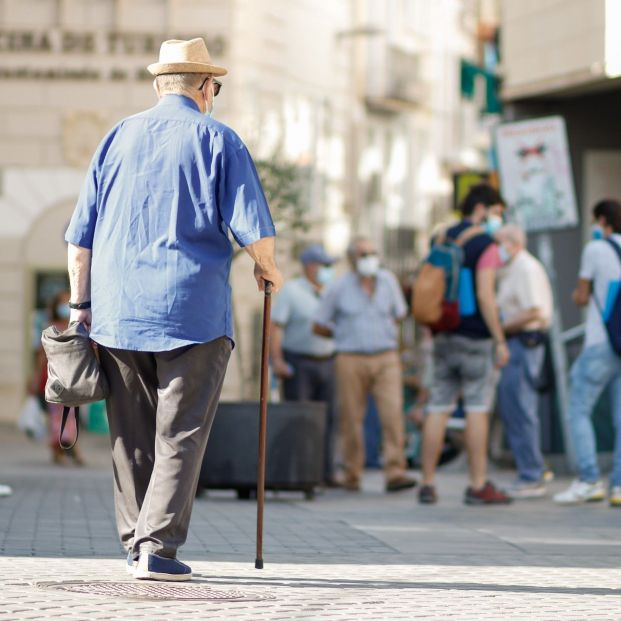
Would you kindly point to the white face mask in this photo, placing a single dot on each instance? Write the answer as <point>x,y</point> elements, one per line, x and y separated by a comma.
<point>325,274</point>
<point>63,311</point>
<point>368,266</point>
<point>505,256</point>
<point>492,224</point>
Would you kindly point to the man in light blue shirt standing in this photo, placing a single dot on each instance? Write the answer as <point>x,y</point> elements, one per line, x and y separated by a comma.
<point>362,310</point>
<point>149,263</point>
<point>598,367</point>
<point>303,360</point>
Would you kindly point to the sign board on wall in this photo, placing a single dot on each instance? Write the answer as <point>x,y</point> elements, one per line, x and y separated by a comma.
<point>535,173</point>
<point>463,181</point>
<point>58,54</point>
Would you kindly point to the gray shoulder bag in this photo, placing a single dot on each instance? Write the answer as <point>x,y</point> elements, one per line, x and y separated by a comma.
<point>74,377</point>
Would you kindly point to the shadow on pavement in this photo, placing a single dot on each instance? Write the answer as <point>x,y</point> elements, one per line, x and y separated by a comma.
<point>384,585</point>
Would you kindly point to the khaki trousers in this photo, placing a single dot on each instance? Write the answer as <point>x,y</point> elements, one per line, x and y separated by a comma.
<point>160,410</point>
<point>358,376</point>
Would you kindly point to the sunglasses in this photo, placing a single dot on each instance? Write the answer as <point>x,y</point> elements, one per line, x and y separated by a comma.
<point>217,85</point>
<point>364,255</point>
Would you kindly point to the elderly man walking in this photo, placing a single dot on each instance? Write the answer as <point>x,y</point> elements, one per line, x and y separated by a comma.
<point>303,360</point>
<point>362,309</point>
<point>525,305</point>
<point>149,262</point>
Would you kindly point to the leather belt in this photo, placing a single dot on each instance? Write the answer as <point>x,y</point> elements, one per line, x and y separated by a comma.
<point>308,356</point>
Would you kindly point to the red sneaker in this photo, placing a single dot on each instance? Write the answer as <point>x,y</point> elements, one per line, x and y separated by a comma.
<point>487,495</point>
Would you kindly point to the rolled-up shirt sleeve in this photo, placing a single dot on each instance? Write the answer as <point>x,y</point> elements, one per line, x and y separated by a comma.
<point>242,203</point>
<point>81,229</point>
<point>588,260</point>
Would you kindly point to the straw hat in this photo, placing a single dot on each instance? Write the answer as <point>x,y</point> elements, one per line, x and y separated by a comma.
<point>191,56</point>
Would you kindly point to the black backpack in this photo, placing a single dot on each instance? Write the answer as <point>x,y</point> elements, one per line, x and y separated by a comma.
<point>611,313</point>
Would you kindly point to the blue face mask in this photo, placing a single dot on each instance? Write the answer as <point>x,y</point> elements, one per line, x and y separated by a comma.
<point>325,274</point>
<point>597,232</point>
<point>493,224</point>
<point>63,311</point>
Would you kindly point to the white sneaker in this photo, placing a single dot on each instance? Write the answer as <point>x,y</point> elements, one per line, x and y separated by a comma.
<point>581,491</point>
<point>527,489</point>
<point>5,490</point>
<point>614,496</point>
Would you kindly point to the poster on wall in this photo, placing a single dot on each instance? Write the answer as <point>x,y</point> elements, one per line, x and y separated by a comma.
<point>535,174</point>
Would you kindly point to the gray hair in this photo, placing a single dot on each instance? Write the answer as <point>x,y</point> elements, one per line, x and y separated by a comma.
<point>514,233</point>
<point>353,245</point>
<point>180,82</point>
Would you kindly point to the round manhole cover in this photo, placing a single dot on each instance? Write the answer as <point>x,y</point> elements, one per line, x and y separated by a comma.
<point>153,590</point>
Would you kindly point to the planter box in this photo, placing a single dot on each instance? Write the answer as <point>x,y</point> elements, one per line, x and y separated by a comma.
<point>294,453</point>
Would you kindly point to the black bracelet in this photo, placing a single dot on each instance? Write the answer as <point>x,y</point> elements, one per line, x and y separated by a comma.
<point>80,305</point>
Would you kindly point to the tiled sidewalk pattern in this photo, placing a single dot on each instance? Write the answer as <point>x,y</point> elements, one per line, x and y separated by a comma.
<point>343,556</point>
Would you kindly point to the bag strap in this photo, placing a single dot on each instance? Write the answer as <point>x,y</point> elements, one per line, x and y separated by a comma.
<point>615,247</point>
<point>470,233</point>
<point>66,411</point>
<point>617,250</point>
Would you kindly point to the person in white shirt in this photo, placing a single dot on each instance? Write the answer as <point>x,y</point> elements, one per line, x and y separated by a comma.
<point>301,359</point>
<point>525,304</point>
<point>598,366</point>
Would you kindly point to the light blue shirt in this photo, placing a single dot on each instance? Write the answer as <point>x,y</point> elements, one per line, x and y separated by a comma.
<point>362,323</point>
<point>294,309</point>
<point>163,191</point>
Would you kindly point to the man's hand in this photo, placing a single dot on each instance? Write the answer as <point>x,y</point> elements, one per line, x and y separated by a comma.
<point>321,330</point>
<point>501,354</point>
<point>582,292</point>
<point>262,253</point>
<point>281,368</point>
<point>271,274</point>
<point>81,316</point>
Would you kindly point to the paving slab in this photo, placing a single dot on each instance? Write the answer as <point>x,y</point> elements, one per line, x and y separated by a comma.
<point>342,556</point>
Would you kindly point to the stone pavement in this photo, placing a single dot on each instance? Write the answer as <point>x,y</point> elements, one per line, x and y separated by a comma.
<point>341,556</point>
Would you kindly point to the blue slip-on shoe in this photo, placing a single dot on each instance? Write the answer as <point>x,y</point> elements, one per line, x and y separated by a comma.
<point>154,567</point>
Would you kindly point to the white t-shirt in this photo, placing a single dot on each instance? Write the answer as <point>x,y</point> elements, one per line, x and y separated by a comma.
<point>523,284</point>
<point>599,264</point>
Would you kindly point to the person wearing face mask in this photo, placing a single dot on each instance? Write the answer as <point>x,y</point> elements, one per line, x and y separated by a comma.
<point>149,263</point>
<point>301,359</point>
<point>466,359</point>
<point>598,367</point>
<point>525,304</point>
<point>362,310</point>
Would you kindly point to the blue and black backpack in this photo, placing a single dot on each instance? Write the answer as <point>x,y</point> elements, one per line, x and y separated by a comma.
<point>611,312</point>
<point>444,288</point>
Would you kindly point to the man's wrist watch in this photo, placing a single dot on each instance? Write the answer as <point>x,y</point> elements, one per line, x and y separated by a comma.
<point>80,305</point>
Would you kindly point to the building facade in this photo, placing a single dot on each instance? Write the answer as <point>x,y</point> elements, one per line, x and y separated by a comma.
<point>361,95</point>
<point>564,58</point>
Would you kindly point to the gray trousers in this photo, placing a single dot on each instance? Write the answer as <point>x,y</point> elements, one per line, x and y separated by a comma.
<point>315,380</point>
<point>160,410</point>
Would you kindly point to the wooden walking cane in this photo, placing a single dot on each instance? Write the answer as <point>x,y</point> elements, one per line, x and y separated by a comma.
<point>267,308</point>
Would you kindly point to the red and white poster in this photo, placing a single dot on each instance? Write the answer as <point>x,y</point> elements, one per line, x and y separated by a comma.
<point>535,173</point>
